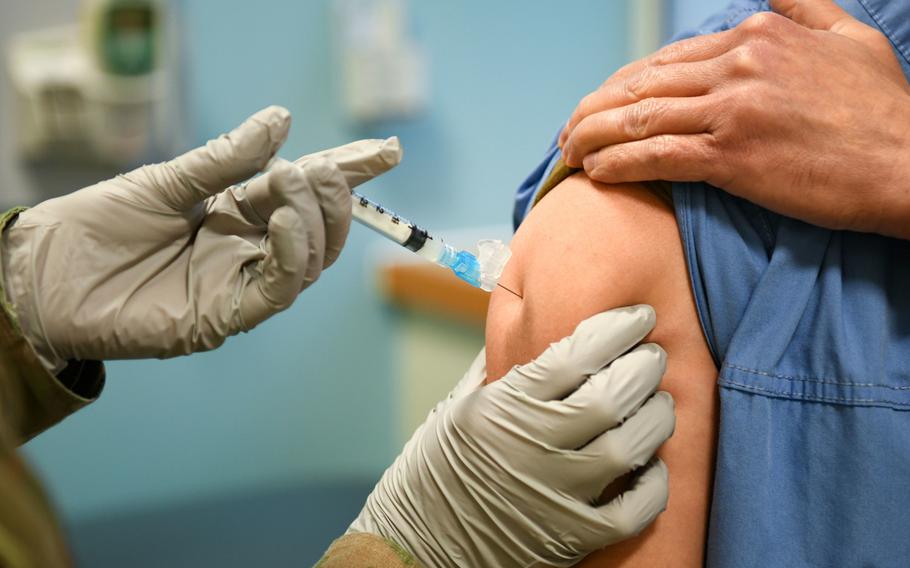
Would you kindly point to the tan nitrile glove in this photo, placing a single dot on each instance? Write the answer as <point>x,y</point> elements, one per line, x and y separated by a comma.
<point>168,259</point>
<point>510,474</point>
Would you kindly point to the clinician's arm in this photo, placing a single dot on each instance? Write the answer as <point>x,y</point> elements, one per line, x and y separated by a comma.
<point>587,247</point>
<point>806,113</point>
<point>31,400</point>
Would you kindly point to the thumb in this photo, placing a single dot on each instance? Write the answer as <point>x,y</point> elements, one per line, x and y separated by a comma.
<point>224,161</point>
<point>822,15</point>
<point>282,271</point>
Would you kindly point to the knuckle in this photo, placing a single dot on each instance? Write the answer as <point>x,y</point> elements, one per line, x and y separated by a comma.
<point>662,151</point>
<point>638,118</point>
<point>613,454</point>
<point>320,168</point>
<point>585,107</point>
<point>608,411</point>
<point>747,60</point>
<point>670,52</point>
<point>636,85</point>
<point>762,23</point>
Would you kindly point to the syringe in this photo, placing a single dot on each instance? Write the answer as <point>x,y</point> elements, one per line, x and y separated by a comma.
<point>482,271</point>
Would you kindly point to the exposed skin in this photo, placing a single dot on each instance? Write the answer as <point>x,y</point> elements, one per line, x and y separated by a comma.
<point>805,112</point>
<point>587,247</point>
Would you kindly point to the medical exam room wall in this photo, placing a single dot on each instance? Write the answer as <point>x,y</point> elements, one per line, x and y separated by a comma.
<point>309,397</point>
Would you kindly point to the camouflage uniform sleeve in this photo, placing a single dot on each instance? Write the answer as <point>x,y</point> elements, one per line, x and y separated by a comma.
<point>361,550</point>
<point>32,400</point>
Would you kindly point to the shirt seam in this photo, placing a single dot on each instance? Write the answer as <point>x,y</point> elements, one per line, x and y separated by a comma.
<point>820,398</point>
<point>811,378</point>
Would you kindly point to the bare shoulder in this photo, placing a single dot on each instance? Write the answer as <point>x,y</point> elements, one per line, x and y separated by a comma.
<point>586,247</point>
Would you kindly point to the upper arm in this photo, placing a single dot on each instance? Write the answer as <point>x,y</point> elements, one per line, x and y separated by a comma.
<point>588,247</point>
<point>585,248</point>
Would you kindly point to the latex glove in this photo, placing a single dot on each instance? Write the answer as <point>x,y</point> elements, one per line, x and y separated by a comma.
<point>806,113</point>
<point>166,261</point>
<point>509,474</point>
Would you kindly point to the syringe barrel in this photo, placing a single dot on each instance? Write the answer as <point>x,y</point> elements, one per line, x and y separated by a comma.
<point>464,264</point>
<point>380,220</point>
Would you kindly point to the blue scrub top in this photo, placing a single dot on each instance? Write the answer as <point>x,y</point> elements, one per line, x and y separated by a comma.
<point>811,331</point>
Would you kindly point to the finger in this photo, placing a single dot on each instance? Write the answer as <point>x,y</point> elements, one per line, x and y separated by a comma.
<point>631,83</point>
<point>670,157</point>
<point>825,15</point>
<point>597,341</point>
<point>325,202</point>
<point>636,508</point>
<point>229,159</point>
<point>283,269</point>
<point>631,444</point>
<point>362,160</point>
<point>644,119</point>
<point>816,14</point>
<point>358,161</point>
<point>617,77</point>
<point>292,186</point>
<point>609,396</point>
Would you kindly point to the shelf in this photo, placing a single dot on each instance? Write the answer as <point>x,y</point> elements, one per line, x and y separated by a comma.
<point>433,289</point>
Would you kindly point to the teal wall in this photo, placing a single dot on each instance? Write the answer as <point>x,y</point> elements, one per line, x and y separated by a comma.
<point>311,394</point>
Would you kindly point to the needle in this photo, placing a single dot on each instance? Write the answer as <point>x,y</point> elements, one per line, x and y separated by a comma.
<point>516,294</point>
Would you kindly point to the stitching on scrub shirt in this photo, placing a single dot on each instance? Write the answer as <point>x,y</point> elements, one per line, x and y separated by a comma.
<point>814,397</point>
<point>885,29</point>
<point>812,379</point>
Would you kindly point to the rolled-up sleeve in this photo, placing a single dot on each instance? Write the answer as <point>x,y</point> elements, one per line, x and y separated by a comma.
<point>31,401</point>
<point>360,550</point>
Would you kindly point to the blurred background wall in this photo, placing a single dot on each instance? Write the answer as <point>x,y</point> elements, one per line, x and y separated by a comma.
<point>261,452</point>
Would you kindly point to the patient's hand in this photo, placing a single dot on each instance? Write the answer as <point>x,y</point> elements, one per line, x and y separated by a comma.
<point>807,116</point>
<point>587,247</point>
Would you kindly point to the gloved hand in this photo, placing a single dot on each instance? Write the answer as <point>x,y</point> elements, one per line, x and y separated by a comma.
<point>166,261</point>
<point>509,474</point>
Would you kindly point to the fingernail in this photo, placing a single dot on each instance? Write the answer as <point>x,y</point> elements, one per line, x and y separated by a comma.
<point>590,162</point>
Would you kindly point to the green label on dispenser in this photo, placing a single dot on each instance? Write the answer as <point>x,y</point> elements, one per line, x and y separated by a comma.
<point>128,36</point>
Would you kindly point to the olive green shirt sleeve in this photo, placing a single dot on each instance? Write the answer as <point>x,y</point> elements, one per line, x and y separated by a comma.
<point>362,550</point>
<point>32,400</point>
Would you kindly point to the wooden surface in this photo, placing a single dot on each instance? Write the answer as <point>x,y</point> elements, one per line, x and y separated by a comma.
<point>435,290</point>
